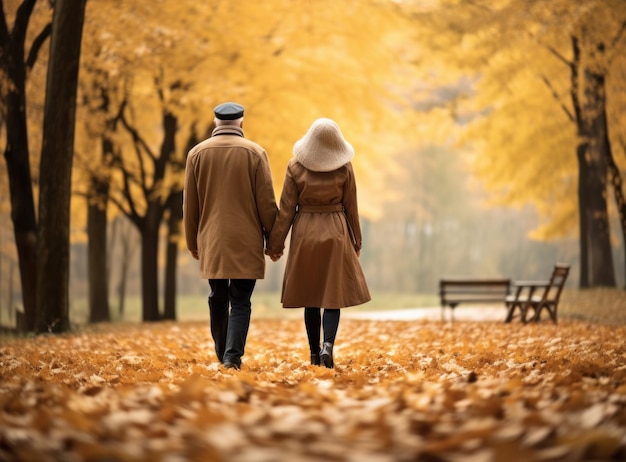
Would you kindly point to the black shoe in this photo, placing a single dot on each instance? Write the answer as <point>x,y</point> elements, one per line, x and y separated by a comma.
<point>231,365</point>
<point>315,359</point>
<point>326,355</point>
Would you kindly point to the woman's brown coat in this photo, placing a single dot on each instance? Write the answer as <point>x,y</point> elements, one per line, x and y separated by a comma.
<point>322,268</point>
<point>229,205</point>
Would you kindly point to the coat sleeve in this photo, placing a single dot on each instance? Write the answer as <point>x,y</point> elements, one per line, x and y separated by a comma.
<point>286,214</point>
<point>191,206</point>
<point>265,198</point>
<point>351,207</point>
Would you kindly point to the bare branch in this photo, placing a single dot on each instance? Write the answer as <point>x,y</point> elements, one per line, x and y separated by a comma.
<point>558,55</point>
<point>140,145</point>
<point>132,214</point>
<point>21,20</point>
<point>556,96</point>
<point>137,138</point>
<point>574,79</point>
<point>158,79</point>
<point>143,184</point>
<point>36,46</point>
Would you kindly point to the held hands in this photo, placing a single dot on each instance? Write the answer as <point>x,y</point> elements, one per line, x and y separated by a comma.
<point>274,256</point>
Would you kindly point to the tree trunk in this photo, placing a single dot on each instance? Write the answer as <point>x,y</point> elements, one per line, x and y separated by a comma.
<point>12,314</point>
<point>589,103</point>
<point>56,162</point>
<point>175,207</point>
<point>2,274</point>
<point>124,230</point>
<point>97,244</point>
<point>602,271</point>
<point>615,177</point>
<point>148,224</point>
<point>22,200</point>
<point>583,212</point>
<point>149,263</point>
<point>14,67</point>
<point>174,228</point>
<point>99,261</point>
<point>121,287</point>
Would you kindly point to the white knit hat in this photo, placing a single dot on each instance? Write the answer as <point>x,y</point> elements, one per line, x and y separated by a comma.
<point>323,148</point>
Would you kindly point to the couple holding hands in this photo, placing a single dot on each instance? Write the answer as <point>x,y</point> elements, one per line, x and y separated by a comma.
<point>230,210</point>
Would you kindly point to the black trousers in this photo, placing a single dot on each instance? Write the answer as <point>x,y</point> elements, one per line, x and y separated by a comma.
<point>314,320</point>
<point>229,326</point>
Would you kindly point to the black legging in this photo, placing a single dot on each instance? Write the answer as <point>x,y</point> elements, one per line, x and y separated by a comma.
<point>313,321</point>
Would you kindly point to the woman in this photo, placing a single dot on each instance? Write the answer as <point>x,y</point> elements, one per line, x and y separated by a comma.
<point>319,205</point>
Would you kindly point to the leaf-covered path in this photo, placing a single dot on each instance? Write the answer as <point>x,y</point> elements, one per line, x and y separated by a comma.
<point>420,390</point>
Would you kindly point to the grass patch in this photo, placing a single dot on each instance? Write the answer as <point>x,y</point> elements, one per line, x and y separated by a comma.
<point>599,305</point>
<point>265,305</point>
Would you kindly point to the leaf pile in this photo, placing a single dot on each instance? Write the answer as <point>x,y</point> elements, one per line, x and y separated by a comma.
<point>425,391</point>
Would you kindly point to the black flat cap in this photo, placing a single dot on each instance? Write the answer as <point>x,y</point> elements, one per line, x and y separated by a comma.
<point>229,111</point>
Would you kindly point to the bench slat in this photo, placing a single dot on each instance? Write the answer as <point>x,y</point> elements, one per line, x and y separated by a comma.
<point>454,291</point>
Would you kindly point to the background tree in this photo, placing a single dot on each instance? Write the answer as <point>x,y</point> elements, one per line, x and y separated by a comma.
<point>100,127</point>
<point>179,81</point>
<point>175,231</point>
<point>56,160</point>
<point>18,55</point>
<point>537,123</point>
<point>102,90</point>
<point>470,90</point>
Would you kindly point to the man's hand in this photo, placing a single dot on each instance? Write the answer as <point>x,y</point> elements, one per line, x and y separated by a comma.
<point>194,254</point>
<point>273,256</point>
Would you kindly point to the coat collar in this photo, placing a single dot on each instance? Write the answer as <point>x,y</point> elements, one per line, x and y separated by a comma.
<point>228,130</point>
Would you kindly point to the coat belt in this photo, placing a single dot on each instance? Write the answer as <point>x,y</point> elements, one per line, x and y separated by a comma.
<point>320,208</point>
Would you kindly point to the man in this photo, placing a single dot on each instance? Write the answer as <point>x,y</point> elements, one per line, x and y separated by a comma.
<point>229,209</point>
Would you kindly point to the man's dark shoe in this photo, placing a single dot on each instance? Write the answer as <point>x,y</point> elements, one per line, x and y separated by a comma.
<point>231,365</point>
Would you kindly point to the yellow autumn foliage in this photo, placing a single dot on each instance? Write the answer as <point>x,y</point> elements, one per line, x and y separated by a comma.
<point>518,120</point>
<point>287,63</point>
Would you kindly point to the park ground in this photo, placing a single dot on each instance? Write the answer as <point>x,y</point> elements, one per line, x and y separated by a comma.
<point>406,387</point>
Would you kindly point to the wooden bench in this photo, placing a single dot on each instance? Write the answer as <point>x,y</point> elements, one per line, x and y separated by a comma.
<point>537,295</point>
<point>454,291</point>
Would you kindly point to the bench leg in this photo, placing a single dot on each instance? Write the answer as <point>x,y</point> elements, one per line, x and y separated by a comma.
<point>524,311</point>
<point>553,314</point>
<point>537,316</point>
<point>511,312</point>
<point>551,309</point>
<point>443,309</point>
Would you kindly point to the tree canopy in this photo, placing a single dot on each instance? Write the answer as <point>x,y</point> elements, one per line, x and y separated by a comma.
<point>544,115</point>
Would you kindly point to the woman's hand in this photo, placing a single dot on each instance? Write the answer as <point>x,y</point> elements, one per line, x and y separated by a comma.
<point>272,255</point>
